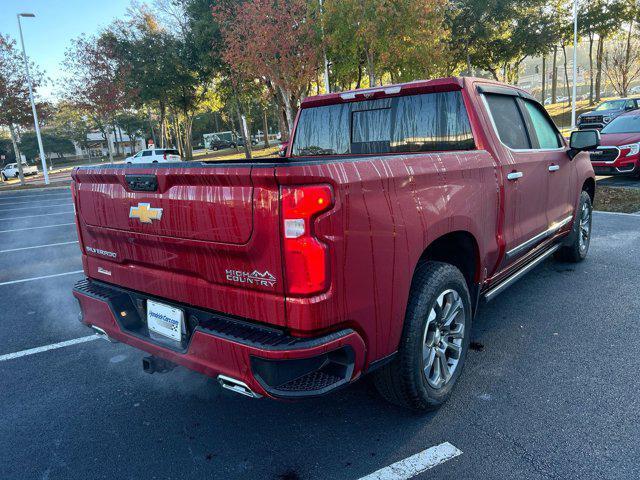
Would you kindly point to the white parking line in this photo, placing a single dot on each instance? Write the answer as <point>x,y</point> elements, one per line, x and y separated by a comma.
<point>22,280</point>
<point>40,215</point>
<point>53,346</point>
<point>418,463</point>
<point>37,246</point>
<point>35,228</point>
<point>39,207</point>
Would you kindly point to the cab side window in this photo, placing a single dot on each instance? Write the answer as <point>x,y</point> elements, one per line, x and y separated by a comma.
<point>544,130</point>
<point>508,120</point>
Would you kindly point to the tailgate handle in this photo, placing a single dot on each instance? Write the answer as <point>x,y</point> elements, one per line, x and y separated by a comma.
<point>142,183</point>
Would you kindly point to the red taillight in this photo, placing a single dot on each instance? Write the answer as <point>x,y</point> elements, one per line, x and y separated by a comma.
<point>305,256</point>
<point>165,155</point>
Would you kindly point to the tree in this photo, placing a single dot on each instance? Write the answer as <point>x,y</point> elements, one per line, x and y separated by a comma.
<point>94,82</point>
<point>15,108</point>
<point>599,19</point>
<point>404,39</point>
<point>6,149</point>
<point>566,38</point>
<point>51,141</point>
<point>606,24</point>
<point>588,15</point>
<point>276,41</point>
<point>497,36</point>
<point>170,71</point>
<point>144,52</point>
<point>133,124</point>
<point>357,43</point>
<point>622,64</point>
<point>71,121</point>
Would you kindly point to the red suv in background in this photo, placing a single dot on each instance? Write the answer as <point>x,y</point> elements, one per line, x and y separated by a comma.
<point>619,151</point>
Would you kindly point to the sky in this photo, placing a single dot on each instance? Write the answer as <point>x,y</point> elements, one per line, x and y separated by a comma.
<point>48,35</point>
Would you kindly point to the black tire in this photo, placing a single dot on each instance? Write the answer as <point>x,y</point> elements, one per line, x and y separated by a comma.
<point>16,175</point>
<point>215,149</point>
<point>577,246</point>
<point>403,381</point>
<point>4,177</point>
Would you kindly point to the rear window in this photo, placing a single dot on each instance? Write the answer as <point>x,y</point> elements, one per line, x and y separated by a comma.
<point>417,123</point>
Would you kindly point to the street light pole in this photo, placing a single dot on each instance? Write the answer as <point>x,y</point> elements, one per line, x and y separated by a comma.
<point>33,103</point>
<point>327,85</point>
<point>575,63</point>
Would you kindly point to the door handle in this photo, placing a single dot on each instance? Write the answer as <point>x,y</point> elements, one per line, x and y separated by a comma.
<point>514,175</point>
<point>554,168</point>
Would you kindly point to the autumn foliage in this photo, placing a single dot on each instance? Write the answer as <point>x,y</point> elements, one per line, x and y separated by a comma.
<point>276,41</point>
<point>15,108</point>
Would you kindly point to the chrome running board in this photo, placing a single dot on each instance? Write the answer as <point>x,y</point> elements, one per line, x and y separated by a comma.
<point>513,278</point>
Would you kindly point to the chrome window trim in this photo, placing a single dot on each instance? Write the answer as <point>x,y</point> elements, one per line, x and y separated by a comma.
<point>554,228</point>
<point>516,150</point>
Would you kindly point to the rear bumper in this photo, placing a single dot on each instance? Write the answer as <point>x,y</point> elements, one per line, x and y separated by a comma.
<point>269,361</point>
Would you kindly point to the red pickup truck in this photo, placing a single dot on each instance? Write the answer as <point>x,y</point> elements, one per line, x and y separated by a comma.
<point>368,248</point>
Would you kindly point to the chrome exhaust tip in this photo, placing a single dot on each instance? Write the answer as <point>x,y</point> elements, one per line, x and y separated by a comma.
<point>237,386</point>
<point>102,334</point>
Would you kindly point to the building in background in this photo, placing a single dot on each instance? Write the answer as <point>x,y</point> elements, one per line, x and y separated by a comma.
<point>120,144</point>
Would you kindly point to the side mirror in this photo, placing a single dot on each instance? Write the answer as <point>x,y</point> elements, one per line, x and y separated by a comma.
<point>582,140</point>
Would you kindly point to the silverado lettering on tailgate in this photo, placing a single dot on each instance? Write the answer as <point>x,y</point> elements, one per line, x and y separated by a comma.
<point>99,251</point>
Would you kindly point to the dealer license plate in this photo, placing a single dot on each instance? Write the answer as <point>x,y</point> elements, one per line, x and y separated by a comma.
<point>165,320</point>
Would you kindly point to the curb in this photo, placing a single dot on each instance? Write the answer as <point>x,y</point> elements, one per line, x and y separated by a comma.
<point>20,188</point>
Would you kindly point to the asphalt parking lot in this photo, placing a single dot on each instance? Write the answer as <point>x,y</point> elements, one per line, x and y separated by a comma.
<point>549,391</point>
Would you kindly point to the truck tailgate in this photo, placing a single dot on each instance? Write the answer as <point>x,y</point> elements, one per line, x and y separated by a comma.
<point>204,235</point>
<point>215,207</point>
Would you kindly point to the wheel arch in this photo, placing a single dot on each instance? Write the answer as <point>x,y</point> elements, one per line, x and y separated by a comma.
<point>589,186</point>
<point>458,248</point>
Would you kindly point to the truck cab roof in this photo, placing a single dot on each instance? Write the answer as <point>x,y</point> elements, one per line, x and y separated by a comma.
<point>408,88</point>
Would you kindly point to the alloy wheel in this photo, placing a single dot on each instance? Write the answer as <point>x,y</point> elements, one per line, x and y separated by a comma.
<point>584,232</point>
<point>442,338</point>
